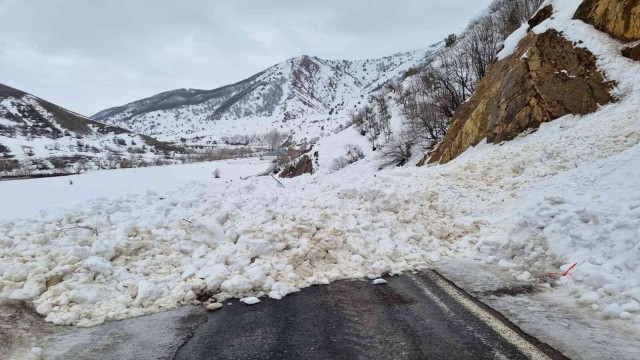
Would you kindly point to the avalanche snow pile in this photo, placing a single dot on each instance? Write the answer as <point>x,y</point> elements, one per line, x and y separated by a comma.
<point>115,259</point>
<point>565,193</point>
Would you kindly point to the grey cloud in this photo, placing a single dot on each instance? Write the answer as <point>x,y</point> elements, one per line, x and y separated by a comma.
<point>89,55</point>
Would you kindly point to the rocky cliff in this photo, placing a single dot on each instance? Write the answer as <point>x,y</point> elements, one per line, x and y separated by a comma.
<point>546,77</point>
<point>618,18</point>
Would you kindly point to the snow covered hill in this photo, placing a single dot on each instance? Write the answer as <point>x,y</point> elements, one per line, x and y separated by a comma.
<point>38,137</point>
<point>283,96</point>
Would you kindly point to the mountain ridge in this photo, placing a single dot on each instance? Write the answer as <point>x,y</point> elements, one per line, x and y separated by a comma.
<point>38,137</point>
<point>298,87</point>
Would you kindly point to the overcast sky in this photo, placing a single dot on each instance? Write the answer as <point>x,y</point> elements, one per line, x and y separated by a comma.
<point>93,54</point>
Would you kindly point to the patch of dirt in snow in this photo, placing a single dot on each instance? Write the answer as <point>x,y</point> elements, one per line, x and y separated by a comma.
<point>20,326</point>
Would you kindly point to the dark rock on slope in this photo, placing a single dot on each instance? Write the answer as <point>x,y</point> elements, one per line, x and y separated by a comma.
<point>632,52</point>
<point>303,166</point>
<point>547,77</point>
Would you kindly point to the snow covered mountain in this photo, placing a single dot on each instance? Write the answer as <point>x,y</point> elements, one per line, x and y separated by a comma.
<point>37,136</point>
<point>299,87</point>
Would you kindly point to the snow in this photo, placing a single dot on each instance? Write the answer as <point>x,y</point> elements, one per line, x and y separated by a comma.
<point>379,281</point>
<point>588,298</point>
<point>567,193</point>
<point>511,43</point>
<point>312,104</point>
<point>38,352</point>
<point>525,276</point>
<point>34,136</point>
<point>28,197</point>
<point>214,306</point>
<point>250,300</point>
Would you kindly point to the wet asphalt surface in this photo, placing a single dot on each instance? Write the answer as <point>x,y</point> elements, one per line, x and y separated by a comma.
<point>403,319</point>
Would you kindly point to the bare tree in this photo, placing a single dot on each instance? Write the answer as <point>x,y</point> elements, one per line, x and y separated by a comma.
<point>383,115</point>
<point>353,154</point>
<point>275,139</point>
<point>397,151</point>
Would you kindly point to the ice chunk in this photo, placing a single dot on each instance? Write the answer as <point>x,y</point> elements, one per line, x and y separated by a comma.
<point>257,275</point>
<point>611,289</point>
<point>98,265</point>
<point>103,248</point>
<point>214,306</point>
<point>148,291</point>
<point>237,284</point>
<point>379,281</point>
<point>254,247</point>
<point>588,298</point>
<point>612,311</point>
<point>250,300</point>
<point>525,276</point>
<point>631,306</point>
<point>88,294</point>
<point>44,308</point>
<point>37,352</point>
<point>625,315</point>
<point>16,273</point>
<point>212,234</point>
<point>33,287</point>
<point>506,265</point>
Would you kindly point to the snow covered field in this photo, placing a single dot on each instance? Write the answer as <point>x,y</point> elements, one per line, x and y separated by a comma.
<point>563,194</point>
<point>28,197</point>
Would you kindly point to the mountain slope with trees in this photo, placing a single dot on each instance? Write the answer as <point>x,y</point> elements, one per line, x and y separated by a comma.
<point>287,93</point>
<point>38,137</point>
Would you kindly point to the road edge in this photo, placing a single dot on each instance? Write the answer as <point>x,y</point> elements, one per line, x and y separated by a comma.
<point>483,311</point>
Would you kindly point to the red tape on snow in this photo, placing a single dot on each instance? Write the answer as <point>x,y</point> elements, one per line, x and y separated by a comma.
<point>566,272</point>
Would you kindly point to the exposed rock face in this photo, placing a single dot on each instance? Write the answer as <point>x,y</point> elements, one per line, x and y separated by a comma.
<point>632,52</point>
<point>618,18</point>
<point>546,78</point>
<point>542,15</point>
<point>304,166</point>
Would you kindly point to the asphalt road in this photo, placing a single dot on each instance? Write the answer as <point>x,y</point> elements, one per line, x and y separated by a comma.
<point>419,316</point>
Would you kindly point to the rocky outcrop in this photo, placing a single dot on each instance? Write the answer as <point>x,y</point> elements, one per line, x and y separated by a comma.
<point>542,15</point>
<point>302,166</point>
<point>618,18</point>
<point>632,52</point>
<point>545,78</point>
